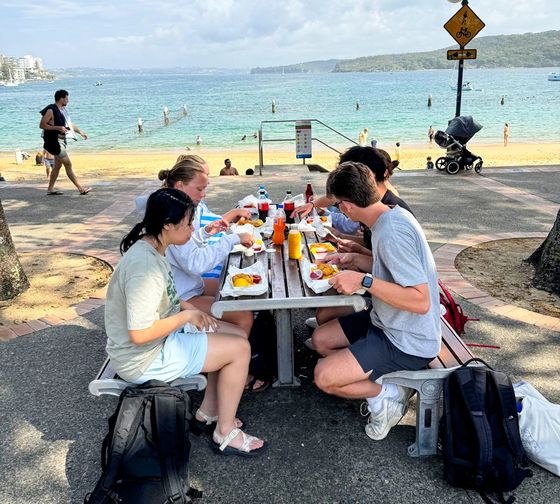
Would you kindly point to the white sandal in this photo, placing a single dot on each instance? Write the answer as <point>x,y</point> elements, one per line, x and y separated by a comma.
<point>221,446</point>
<point>208,423</point>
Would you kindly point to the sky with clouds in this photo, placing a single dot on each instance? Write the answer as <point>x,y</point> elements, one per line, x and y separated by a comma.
<point>244,33</point>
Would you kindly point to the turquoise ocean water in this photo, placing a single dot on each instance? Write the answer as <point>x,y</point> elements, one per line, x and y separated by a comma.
<point>223,108</point>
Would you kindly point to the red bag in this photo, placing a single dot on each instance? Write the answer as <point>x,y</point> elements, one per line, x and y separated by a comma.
<point>451,311</point>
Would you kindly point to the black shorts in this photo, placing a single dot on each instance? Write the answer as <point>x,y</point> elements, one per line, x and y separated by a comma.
<point>373,349</point>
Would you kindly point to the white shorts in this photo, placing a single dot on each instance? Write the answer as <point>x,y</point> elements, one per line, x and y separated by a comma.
<point>183,354</point>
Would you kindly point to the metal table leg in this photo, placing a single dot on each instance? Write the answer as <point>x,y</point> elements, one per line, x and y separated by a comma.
<point>285,349</point>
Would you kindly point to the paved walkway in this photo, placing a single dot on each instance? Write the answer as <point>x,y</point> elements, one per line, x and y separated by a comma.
<point>51,432</point>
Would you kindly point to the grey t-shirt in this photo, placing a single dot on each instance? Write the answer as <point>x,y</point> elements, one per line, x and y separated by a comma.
<point>141,291</point>
<point>401,255</point>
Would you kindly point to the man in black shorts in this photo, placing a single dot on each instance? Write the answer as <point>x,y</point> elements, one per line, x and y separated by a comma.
<point>402,330</point>
<point>56,126</point>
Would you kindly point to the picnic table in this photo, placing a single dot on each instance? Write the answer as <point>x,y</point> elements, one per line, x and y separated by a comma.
<point>287,291</point>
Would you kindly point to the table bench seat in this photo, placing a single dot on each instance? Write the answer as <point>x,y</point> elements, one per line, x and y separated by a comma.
<point>108,382</point>
<point>428,384</point>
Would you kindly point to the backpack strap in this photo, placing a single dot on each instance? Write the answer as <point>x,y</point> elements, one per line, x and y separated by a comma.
<point>508,408</point>
<point>473,390</point>
<point>166,435</point>
<point>128,420</point>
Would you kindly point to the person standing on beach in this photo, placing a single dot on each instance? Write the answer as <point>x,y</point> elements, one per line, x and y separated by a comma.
<point>397,156</point>
<point>48,160</point>
<point>362,138</point>
<point>57,127</point>
<point>431,134</point>
<point>506,134</point>
<point>140,125</point>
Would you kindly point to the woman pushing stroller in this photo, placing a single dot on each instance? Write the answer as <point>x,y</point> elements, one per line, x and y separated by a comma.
<point>152,335</point>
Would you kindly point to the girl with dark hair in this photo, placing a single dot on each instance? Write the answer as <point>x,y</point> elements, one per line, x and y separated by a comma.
<point>152,335</point>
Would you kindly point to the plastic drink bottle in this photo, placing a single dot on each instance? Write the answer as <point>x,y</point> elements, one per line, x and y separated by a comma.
<point>289,206</point>
<point>261,188</point>
<point>279,226</point>
<point>262,205</point>
<point>294,242</point>
<point>309,193</point>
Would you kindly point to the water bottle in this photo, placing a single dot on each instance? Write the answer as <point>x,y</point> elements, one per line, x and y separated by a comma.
<point>289,206</point>
<point>279,226</point>
<point>261,188</point>
<point>262,205</point>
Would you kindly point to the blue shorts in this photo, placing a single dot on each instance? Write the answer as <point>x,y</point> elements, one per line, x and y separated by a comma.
<point>183,354</point>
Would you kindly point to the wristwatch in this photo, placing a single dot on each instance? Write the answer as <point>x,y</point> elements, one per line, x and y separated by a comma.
<point>367,281</point>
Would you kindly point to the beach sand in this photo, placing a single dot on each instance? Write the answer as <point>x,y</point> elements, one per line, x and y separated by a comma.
<point>146,164</point>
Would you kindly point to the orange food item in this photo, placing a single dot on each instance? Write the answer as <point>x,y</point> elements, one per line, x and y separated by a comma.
<point>321,248</point>
<point>245,280</point>
<point>256,223</point>
<point>324,218</point>
<point>327,270</point>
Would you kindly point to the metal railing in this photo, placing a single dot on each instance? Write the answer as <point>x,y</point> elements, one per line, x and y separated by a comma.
<point>271,140</point>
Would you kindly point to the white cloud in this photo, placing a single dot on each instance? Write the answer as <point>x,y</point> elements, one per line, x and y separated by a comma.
<point>234,33</point>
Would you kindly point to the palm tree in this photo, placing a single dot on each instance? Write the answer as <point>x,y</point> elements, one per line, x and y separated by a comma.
<point>13,280</point>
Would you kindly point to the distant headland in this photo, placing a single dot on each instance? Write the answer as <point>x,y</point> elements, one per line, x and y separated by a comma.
<point>528,50</point>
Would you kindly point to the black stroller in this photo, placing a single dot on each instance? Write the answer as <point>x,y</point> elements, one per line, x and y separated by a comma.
<point>459,131</point>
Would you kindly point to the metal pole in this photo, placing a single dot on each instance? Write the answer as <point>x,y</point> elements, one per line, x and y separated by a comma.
<point>459,89</point>
<point>260,151</point>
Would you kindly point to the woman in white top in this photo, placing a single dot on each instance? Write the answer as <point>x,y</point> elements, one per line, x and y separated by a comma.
<point>190,261</point>
<point>153,335</point>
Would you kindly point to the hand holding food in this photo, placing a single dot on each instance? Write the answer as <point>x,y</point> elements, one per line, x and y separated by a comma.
<point>246,239</point>
<point>215,227</point>
<point>236,213</point>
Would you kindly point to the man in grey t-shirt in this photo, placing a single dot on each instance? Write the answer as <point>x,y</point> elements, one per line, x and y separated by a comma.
<point>402,330</point>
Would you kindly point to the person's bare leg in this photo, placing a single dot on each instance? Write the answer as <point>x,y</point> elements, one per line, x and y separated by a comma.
<point>329,338</point>
<point>242,319</point>
<point>70,172</point>
<point>229,356</point>
<point>325,314</point>
<point>211,286</point>
<point>340,374</point>
<point>54,174</point>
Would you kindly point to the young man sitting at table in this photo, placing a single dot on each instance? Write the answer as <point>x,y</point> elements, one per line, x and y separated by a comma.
<point>402,331</point>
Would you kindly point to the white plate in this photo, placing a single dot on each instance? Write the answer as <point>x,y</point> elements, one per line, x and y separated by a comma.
<point>253,290</point>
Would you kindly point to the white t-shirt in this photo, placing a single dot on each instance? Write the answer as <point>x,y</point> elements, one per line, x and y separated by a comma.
<point>141,291</point>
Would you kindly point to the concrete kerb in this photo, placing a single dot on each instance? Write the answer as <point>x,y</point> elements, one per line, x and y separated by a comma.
<point>445,257</point>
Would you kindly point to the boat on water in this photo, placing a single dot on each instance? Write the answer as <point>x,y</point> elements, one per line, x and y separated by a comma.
<point>554,76</point>
<point>467,86</point>
<point>99,83</point>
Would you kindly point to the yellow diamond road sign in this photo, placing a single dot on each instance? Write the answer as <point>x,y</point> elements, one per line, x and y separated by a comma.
<point>464,25</point>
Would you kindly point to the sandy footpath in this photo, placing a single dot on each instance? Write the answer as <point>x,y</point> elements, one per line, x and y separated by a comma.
<point>92,165</point>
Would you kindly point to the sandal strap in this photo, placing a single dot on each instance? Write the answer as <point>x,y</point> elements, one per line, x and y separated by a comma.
<point>247,440</point>
<point>228,439</point>
<point>208,419</point>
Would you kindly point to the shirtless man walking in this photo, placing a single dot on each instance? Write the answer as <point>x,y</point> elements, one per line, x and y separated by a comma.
<point>57,127</point>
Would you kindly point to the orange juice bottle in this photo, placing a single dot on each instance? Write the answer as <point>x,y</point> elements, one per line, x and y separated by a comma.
<point>278,226</point>
<point>294,242</point>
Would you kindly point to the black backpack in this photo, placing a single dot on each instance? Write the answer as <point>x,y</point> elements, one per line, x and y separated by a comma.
<point>263,364</point>
<point>480,437</point>
<point>145,455</point>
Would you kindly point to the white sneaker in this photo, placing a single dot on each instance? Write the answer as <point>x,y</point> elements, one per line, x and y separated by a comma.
<point>392,411</point>
<point>309,344</point>
<point>312,322</point>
